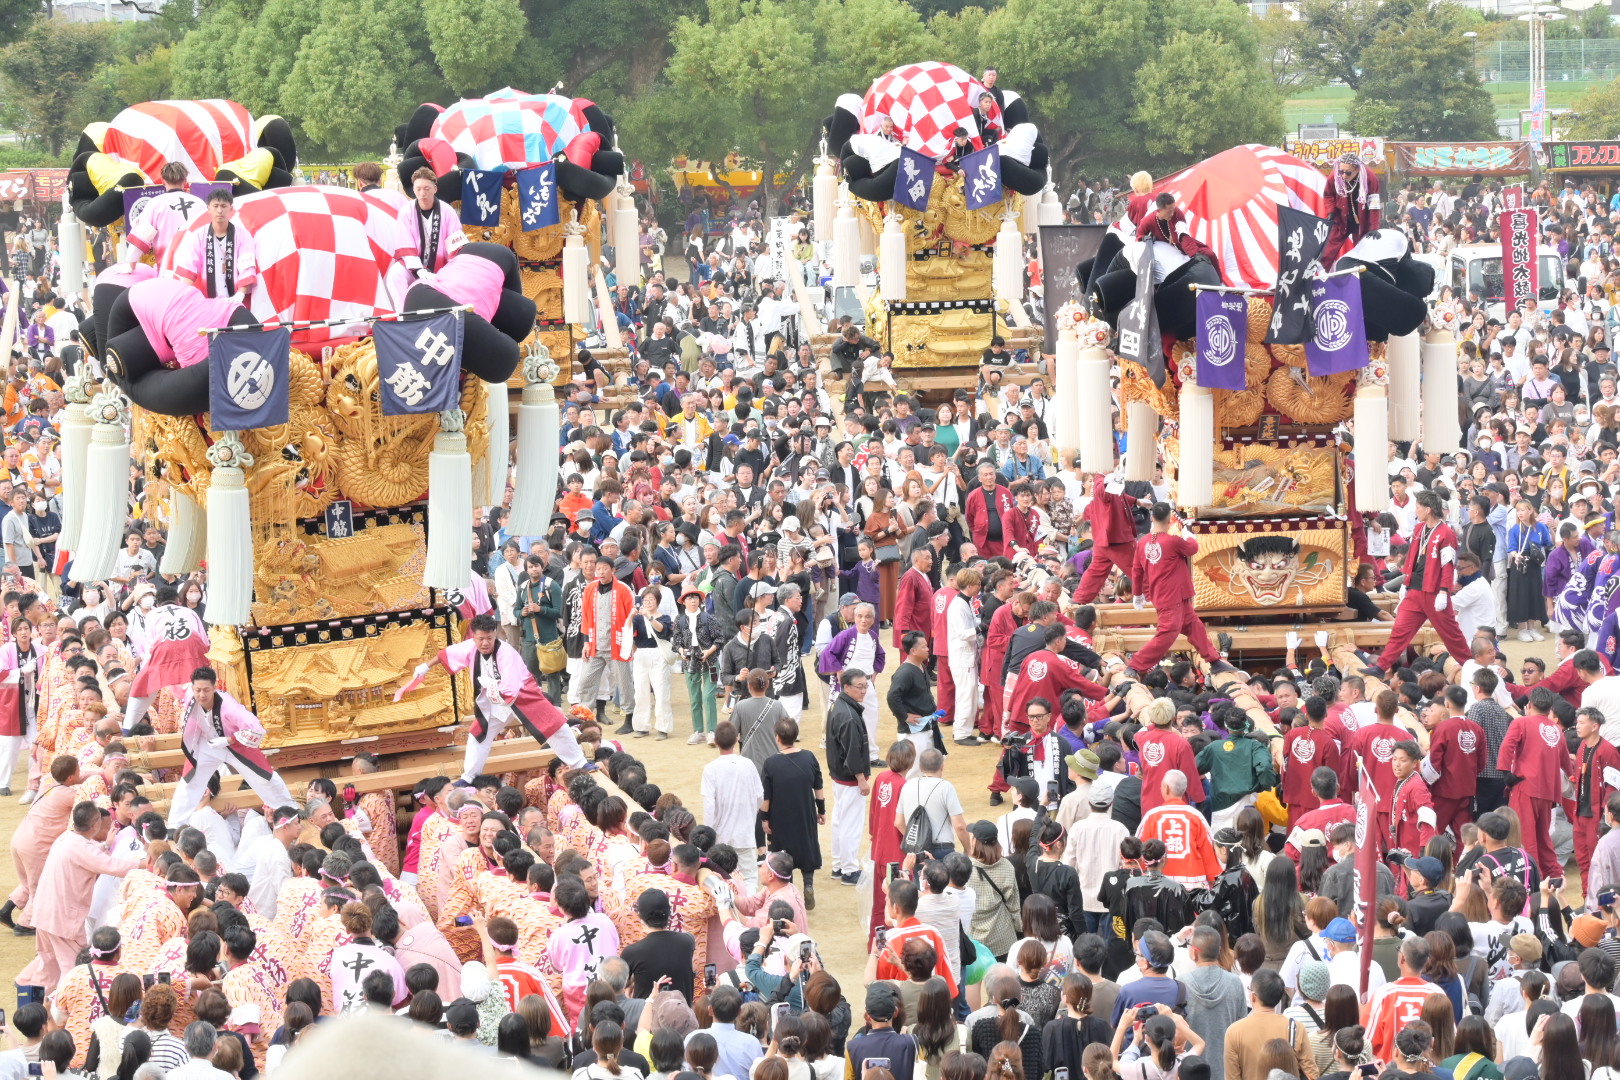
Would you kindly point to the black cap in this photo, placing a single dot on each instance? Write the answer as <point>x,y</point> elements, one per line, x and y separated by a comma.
<point>882,999</point>
<point>653,907</point>
<point>983,831</point>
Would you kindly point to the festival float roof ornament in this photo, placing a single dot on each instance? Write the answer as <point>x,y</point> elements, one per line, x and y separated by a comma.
<point>215,139</point>
<point>1231,203</point>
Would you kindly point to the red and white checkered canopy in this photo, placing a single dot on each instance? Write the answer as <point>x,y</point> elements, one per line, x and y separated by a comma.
<point>510,129</point>
<point>927,102</point>
<point>323,253</point>
<point>201,135</point>
<point>1231,203</point>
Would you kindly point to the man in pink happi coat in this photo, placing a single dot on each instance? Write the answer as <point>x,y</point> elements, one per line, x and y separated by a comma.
<point>61,899</point>
<point>46,821</point>
<point>216,729</point>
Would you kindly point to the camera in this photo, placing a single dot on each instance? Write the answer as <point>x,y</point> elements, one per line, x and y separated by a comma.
<point>1144,1012</point>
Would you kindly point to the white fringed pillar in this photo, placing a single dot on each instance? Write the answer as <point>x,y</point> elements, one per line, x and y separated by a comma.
<point>893,259</point>
<point>576,274</point>
<point>1405,387</point>
<point>1141,441</point>
<point>625,224</point>
<point>824,197</point>
<point>498,462</point>
<point>70,250</point>
<point>106,489</point>
<point>76,428</point>
<point>1007,264</point>
<point>8,326</point>
<point>1065,410</point>
<point>1442,431</point>
<point>1094,404</point>
<point>846,250</point>
<point>230,532</point>
<point>188,535</point>
<point>450,506</point>
<point>1372,417</point>
<point>535,489</point>
<point>1195,464</point>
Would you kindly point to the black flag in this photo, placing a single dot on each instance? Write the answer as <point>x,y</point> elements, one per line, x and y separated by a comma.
<point>1139,322</point>
<point>1300,239</point>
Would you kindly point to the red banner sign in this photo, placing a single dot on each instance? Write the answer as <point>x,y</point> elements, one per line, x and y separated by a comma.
<point>1513,197</point>
<point>1519,270</point>
<point>37,185</point>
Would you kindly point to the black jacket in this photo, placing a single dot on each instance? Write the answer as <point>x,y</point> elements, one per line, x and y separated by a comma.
<point>737,656</point>
<point>662,952</point>
<point>848,755</point>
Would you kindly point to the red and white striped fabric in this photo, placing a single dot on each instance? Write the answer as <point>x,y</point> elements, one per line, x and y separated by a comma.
<point>324,253</point>
<point>927,102</point>
<point>201,135</point>
<point>1231,203</point>
<point>511,129</point>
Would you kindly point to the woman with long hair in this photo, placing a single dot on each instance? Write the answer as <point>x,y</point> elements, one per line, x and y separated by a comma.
<point>1278,1054</point>
<point>935,1025</point>
<point>1559,1047</point>
<point>107,1032</point>
<point>1473,1054</point>
<point>1442,971</point>
<point>1075,1029</point>
<point>1252,828</point>
<point>1279,912</point>
<point>886,527</point>
<point>1600,1044</point>
<point>1040,917</point>
<point>137,1051</point>
<point>817,1047</point>
<point>512,1038</point>
<point>1442,1026</point>
<point>959,1065</point>
<point>1472,968</point>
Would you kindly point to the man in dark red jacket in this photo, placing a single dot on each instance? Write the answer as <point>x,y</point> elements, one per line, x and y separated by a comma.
<point>1168,225</point>
<point>993,519</point>
<point>1594,770</point>
<point>1162,748</point>
<point>914,599</point>
<point>1354,206</point>
<point>1456,758</point>
<point>1536,761</point>
<point>1431,572</point>
<point>1161,572</point>
<point>1113,537</point>
<point>1374,746</point>
<point>1306,749</point>
<point>1566,681</point>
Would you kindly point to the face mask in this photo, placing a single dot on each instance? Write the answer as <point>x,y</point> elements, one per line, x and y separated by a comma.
<point>92,597</point>
<point>39,506</point>
<point>147,602</point>
<point>982,441</point>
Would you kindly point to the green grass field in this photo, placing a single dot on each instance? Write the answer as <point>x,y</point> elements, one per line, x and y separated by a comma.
<point>1332,103</point>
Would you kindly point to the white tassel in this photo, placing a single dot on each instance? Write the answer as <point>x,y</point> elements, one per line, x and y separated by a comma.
<point>1195,471</point>
<point>70,248</point>
<point>450,506</point>
<point>605,313</point>
<point>892,258</point>
<point>75,450</point>
<point>1007,266</point>
<point>8,325</point>
<point>1372,418</point>
<point>1405,387</point>
<point>230,533</point>
<point>188,535</point>
<point>1442,431</point>
<point>1141,441</point>
<point>106,489</point>
<point>846,253</point>
<point>498,460</point>
<point>868,245</point>
<point>626,228</point>
<point>1094,406</point>
<point>576,275</point>
<point>535,489</point>
<point>1029,214</point>
<point>824,194</point>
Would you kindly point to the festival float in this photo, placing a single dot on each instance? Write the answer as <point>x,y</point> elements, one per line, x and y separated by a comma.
<point>949,235</point>
<point>1249,363</point>
<point>327,463</point>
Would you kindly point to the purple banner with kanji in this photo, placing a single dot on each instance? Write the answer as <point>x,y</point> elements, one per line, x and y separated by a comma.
<point>1340,339</point>
<point>914,179</point>
<point>1223,339</point>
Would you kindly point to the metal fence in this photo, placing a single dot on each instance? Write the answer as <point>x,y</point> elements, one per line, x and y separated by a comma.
<point>1568,60</point>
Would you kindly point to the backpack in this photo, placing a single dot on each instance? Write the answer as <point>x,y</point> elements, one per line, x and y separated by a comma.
<point>919,835</point>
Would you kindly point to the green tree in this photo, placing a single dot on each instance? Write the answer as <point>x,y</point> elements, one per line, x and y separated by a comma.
<point>202,68</point>
<point>1333,39</point>
<point>758,75</point>
<point>1425,69</point>
<point>1596,113</point>
<point>1083,66</point>
<point>1174,88</point>
<point>46,78</point>
<point>474,40</point>
<point>265,51</point>
<point>1280,49</point>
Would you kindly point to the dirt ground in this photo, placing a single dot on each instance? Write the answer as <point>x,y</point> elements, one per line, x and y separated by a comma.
<point>835,924</point>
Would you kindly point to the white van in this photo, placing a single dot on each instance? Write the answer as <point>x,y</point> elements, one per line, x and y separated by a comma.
<point>1478,268</point>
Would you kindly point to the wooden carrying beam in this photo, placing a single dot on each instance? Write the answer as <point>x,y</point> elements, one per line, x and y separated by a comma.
<point>235,795</point>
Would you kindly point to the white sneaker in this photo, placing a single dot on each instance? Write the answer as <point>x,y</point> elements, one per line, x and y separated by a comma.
<point>1538,635</point>
<point>28,797</point>
<point>697,737</point>
<point>709,738</point>
<point>1524,635</point>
